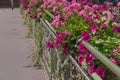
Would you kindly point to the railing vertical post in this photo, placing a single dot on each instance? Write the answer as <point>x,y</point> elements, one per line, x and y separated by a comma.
<point>12,4</point>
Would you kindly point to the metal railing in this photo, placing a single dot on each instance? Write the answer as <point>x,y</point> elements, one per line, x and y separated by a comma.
<point>113,67</point>
<point>61,67</point>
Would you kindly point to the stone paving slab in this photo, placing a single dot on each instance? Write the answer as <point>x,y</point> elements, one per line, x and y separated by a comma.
<point>15,49</point>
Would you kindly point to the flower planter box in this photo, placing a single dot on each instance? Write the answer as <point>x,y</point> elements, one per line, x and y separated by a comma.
<point>47,34</point>
<point>71,66</point>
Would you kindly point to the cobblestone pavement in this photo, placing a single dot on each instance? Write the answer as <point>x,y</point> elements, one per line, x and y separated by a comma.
<point>15,49</point>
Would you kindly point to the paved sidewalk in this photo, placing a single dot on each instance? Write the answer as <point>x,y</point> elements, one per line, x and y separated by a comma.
<point>15,49</point>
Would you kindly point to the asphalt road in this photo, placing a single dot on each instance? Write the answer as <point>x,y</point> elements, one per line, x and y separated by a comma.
<point>15,49</point>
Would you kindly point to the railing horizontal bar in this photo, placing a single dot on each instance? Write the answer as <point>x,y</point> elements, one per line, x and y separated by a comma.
<point>80,69</point>
<point>48,28</point>
<point>113,67</point>
<point>48,13</point>
<point>95,76</point>
<point>49,25</point>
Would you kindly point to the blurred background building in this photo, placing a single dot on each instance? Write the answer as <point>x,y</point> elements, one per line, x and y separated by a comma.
<point>105,1</point>
<point>7,3</point>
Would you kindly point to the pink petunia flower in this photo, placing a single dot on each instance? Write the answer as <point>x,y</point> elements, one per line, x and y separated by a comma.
<point>49,45</point>
<point>86,36</point>
<point>66,32</point>
<point>115,52</point>
<point>38,15</point>
<point>55,9</point>
<point>94,28</point>
<point>84,1</point>
<point>57,42</point>
<point>65,49</point>
<point>103,26</point>
<point>109,4</point>
<point>111,17</point>
<point>90,58</point>
<point>81,59</point>
<point>63,24</point>
<point>116,29</point>
<point>35,1</point>
<point>101,71</point>
<point>87,7</point>
<point>118,4</point>
<point>111,9</point>
<point>30,6</point>
<point>89,18</point>
<point>82,13</point>
<point>82,48</point>
<point>94,7</point>
<point>102,7</point>
<point>55,23</point>
<point>91,69</point>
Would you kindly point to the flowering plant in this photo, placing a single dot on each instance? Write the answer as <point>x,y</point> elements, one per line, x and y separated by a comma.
<point>96,24</point>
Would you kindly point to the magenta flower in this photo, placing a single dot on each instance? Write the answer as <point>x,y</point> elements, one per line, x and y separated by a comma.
<point>116,29</point>
<point>62,36</point>
<point>65,49</point>
<point>101,71</point>
<point>111,17</point>
<point>56,21</point>
<point>90,58</point>
<point>103,26</point>
<point>86,36</point>
<point>30,6</point>
<point>115,52</point>
<point>57,42</point>
<point>82,13</point>
<point>39,15</point>
<point>66,18</point>
<point>102,7</point>
<point>89,18</point>
<point>63,24</point>
<point>91,69</point>
<point>57,17</point>
<point>66,32</point>
<point>49,45</point>
<point>88,52</point>
<point>94,7</point>
<point>35,1</point>
<point>87,7</point>
<point>109,4</point>
<point>94,28</point>
<point>118,4</point>
<point>55,9</point>
<point>81,59</point>
<point>111,9</point>
<point>115,61</point>
<point>72,8</point>
<point>82,48</point>
<point>24,4</point>
<point>96,15</point>
<point>59,39</point>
